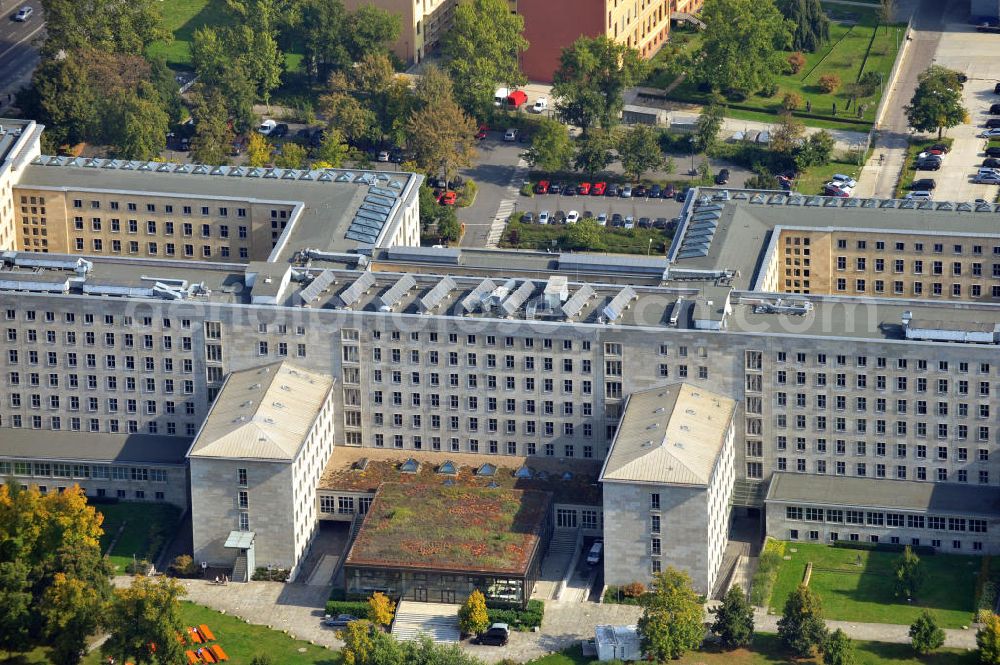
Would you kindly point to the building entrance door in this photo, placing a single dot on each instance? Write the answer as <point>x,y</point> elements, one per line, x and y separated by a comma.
<point>447,596</point>
<point>420,594</point>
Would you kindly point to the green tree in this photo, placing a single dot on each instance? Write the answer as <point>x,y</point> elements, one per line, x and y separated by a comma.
<point>258,150</point>
<point>786,135</point>
<point>801,627</point>
<point>937,101</point>
<point>925,634</point>
<point>670,624</point>
<point>142,130</point>
<point>292,156</point>
<point>212,136</point>
<point>838,649</point>
<point>105,25</point>
<point>734,619</point>
<point>639,150</point>
<point>551,148</point>
<point>146,612</point>
<point>348,115</point>
<point>370,30</point>
<point>72,614</point>
<point>908,574</point>
<point>592,76</point>
<point>593,152</point>
<point>318,28</point>
<point>988,640</point>
<point>886,12</point>
<point>219,59</point>
<point>381,609</point>
<point>586,235</point>
<point>472,616</point>
<point>424,651</point>
<point>708,125</point>
<point>15,602</point>
<point>333,151</point>
<point>810,24</point>
<point>358,642</point>
<point>432,86</point>
<point>816,150</point>
<point>481,51</point>
<point>442,138</point>
<point>448,226</point>
<point>742,48</point>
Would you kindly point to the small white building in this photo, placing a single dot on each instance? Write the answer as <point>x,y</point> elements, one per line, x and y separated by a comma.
<point>255,466</point>
<point>617,643</point>
<point>666,485</point>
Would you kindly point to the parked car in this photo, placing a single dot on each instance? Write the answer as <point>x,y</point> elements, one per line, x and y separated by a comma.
<point>555,188</point>
<point>644,223</point>
<point>722,177</point>
<point>919,196</point>
<point>543,217</point>
<point>996,89</point>
<point>640,191</point>
<point>995,109</point>
<point>496,635</point>
<point>668,191</point>
<point>660,223</point>
<point>528,218</point>
<point>280,130</point>
<point>626,192</point>
<point>992,122</point>
<point>924,185</point>
<point>572,217</point>
<point>303,133</point>
<point>595,553</point>
<point>928,165</point>
<point>569,190</point>
<point>682,194</point>
<point>840,186</point>
<point>483,130</point>
<point>937,148</point>
<point>655,191</point>
<point>598,188</point>
<point>559,217</point>
<point>339,621</point>
<point>267,127</point>
<point>587,214</point>
<point>449,198</point>
<point>831,189</point>
<point>927,154</point>
<point>991,133</point>
<point>993,152</point>
<point>845,179</point>
<point>383,156</point>
<point>630,222</point>
<point>542,187</point>
<point>602,219</point>
<point>510,134</point>
<point>583,188</point>
<point>23,14</point>
<point>612,190</point>
<point>617,220</point>
<point>540,105</point>
<point>987,179</point>
<point>991,162</point>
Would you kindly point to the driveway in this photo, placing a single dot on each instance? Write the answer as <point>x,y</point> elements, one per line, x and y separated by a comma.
<point>974,54</point>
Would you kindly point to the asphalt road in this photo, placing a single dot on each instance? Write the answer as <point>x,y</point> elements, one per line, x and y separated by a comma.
<point>18,53</point>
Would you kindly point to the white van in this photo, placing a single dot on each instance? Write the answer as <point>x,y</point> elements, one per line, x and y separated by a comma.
<point>267,127</point>
<point>500,96</point>
<point>594,556</point>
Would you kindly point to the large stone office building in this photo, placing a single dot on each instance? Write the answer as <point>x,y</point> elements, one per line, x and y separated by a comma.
<point>858,340</point>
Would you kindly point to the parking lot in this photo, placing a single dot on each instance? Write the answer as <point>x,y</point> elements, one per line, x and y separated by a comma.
<point>974,54</point>
<point>592,206</point>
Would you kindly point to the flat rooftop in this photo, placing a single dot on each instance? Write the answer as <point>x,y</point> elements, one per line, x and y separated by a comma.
<point>451,528</point>
<point>11,132</point>
<point>329,199</point>
<point>913,495</point>
<point>93,447</point>
<point>365,469</point>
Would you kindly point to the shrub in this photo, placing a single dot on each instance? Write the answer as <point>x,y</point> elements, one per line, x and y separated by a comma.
<point>183,566</point>
<point>829,83</point>
<point>518,619</point>
<point>616,595</point>
<point>472,616</point>
<point>634,590</point>
<point>770,90</point>
<point>796,61</point>
<point>467,196</point>
<point>357,608</point>
<point>791,101</point>
<point>137,567</point>
<point>767,572</point>
<point>381,609</point>
<point>262,574</point>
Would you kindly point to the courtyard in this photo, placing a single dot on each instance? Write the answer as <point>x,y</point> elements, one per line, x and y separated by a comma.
<point>857,585</point>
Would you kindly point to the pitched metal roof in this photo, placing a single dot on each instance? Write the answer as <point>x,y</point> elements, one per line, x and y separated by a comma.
<point>669,436</point>
<point>263,413</point>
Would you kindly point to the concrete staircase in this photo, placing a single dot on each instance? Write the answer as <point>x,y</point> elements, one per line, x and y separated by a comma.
<point>554,564</point>
<point>240,570</point>
<point>437,620</point>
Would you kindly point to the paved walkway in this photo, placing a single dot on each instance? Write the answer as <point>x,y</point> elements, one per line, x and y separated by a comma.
<point>877,632</point>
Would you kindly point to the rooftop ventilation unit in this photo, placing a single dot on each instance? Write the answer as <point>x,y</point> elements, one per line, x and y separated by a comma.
<point>353,293</point>
<point>321,283</point>
<point>437,294</point>
<point>394,295</point>
<point>475,299</point>
<point>513,302</point>
<point>779,306</point>
<point>575,304</point>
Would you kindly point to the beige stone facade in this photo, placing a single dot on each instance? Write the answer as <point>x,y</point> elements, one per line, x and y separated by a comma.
<point>424,23</point>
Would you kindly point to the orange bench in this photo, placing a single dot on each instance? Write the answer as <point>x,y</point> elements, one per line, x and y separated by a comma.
<point>206,633</point>
<point>218,652</point>
<point>206,655</point>
<point>192,659</point>
<point>195,637</point>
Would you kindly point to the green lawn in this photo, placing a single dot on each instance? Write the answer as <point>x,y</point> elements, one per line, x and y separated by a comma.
<point>910,173</point>
<point>616,241</point>
<point>857,45</point>
<point>864,593</point>
<point>148,527</point>
<point>811,181</point>
<point>767,650</point>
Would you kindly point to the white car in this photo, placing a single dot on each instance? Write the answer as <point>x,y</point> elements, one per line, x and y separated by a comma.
<point>602,219</point>
<point>919,196</point>
<point>572,217</point>
<point>839,184</point>
<point>991,133</point>
<point>544,217</point>
<point>383,156</point>
<point>510,134</point>
<point>23,14</point>
<point>845,180</point>
<point>987,179</point>
<point>594,555</point>
<point>630,222</point>
<point>540,105</point>
<point>925,155</point>
<point>267,127</point>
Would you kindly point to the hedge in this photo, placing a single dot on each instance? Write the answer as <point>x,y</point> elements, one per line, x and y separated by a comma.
<point>524,620</point>
<point>767,572</point>
<point>356,608</point>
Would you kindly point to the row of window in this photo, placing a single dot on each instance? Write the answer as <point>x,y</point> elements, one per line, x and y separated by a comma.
<point>917,288</point>
<point>888,519</point>
<point>900,246</point>
<point>492,425</point>
<point>754,448</point>
<point>916,267</point>
<point>83,471</point>
<point>860,404</point>
<point>492,446</point>
<point>492,405</point>
<point>151,207</point>
<point>755,470</point>
<point>881,362</point>
<point>960,432</point>
<point>127,320</point>
<point>89,338</point>
<point>132,226</point>
<point>936,543</point>
<point>881,382</point>
<point>490,382</point>
<point>112,426</point>
<point>152,249</point>
<point>92,404</point>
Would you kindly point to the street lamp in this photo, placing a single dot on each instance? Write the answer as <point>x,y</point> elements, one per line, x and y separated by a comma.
<point>693,170</point>
<point>650,247</point>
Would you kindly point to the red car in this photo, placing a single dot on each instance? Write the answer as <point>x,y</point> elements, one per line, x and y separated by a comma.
<point>598,188</point>
<point>481,134</point>
<point>583,188</point>
<point>542,187</point>
<point>448,198</point>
